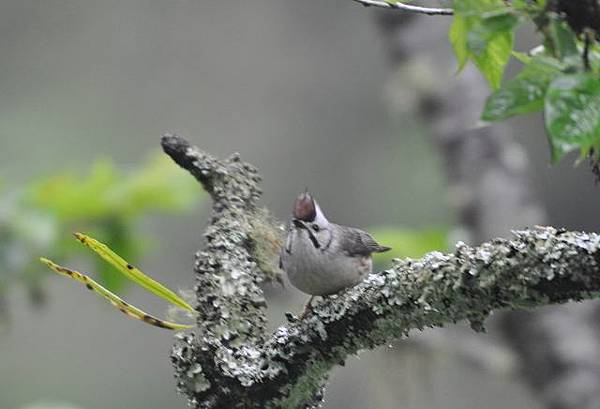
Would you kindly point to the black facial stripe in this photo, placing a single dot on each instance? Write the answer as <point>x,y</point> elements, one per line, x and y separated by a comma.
<point>312,238</point>
<point>299,224</point>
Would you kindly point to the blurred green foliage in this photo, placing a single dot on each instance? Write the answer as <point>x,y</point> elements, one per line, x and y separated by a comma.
<point>408,242</point>
<point>104,201</point>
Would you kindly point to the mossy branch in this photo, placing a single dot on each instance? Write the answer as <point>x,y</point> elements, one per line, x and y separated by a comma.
<point>231,362</point>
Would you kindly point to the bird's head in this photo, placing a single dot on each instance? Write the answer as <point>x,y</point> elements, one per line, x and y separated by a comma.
<point>308,215</point>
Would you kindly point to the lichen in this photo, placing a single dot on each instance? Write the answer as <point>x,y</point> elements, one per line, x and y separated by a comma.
<point>266,234</point>
<point>307,385</point>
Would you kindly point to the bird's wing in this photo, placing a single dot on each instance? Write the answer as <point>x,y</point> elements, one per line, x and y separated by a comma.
<point>356,242</point>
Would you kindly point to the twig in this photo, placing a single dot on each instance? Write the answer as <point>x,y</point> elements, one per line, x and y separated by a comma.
<point>396,5</point>
<point>586,49</point>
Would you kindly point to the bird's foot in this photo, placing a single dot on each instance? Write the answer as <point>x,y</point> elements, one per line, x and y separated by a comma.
<point>307,308</point>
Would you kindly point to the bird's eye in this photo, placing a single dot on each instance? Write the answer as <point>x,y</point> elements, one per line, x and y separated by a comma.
<point>316,227</point>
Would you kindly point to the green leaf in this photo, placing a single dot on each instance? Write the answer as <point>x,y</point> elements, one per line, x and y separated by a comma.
<point>523,94</point>
<point>493,59</point>
<point>532,8</point>
<point>483,31</point>
<point>132,272</point>
<point>114,299</point>
<point>572,113</point>
<point>458,38</point>
<point>560,39</point>
<point>119,234</point>
<point>522,57</point>
<point>488,28</point>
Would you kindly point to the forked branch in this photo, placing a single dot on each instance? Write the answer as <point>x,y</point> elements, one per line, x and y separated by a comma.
<point>231,362</point>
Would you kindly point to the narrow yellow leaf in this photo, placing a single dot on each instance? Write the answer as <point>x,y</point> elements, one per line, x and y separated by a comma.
<point>115,300</point>
<point>132,273</point>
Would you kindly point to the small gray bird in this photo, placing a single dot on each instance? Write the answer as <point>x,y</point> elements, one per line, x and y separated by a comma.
<point>324,258</point>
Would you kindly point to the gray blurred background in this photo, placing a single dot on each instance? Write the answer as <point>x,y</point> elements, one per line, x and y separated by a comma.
<point>308,91</point>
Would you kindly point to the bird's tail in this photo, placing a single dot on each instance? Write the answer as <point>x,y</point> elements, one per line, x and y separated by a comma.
<point>381,249</point>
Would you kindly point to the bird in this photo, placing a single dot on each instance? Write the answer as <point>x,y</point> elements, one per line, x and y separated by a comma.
<point>322,258</point>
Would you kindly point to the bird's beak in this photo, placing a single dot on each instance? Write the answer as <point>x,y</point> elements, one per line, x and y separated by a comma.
<point>299,224</point>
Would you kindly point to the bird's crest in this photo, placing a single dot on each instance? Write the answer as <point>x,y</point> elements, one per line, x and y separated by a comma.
<point>305,208</point>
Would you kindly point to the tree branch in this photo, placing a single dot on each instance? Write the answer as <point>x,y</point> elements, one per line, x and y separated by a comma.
<point>396,5</point>
<point>230,362</point>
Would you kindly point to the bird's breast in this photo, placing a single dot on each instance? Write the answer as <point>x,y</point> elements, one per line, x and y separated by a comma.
<point>319,272</point>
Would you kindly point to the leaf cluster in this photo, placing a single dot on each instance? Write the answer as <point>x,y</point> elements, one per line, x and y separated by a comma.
<point>560,78</point>
<point>38,218</point>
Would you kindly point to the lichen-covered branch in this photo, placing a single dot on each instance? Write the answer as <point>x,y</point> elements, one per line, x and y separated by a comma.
<point>230,361</point>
